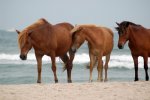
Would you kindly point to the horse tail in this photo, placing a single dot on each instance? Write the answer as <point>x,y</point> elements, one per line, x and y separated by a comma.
<point>107,60</point>
<point>94,65</point>
<point>64,67</point>
<point>68,60</point>
<point>95,61</point>
<point>65,59</point>
<point>62,63</point>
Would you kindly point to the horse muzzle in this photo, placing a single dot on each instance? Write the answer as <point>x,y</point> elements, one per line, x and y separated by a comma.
<point>23,57</point>
<point>120,46</point>
<point>73,50</point>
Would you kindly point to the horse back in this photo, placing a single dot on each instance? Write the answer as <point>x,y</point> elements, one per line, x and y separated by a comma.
<point>140,44</point>
<point>62,31</point>
<point>66,26</point>
<point>103,39</point>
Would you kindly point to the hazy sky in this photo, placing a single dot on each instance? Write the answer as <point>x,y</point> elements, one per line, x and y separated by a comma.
<point>21,13</point>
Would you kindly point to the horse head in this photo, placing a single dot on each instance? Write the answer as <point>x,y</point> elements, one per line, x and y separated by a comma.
<point>77,38</point>
<point>123,33</point>
<point>24,42</point>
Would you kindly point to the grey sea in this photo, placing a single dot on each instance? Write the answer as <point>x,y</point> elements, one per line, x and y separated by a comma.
<point>15,71</point>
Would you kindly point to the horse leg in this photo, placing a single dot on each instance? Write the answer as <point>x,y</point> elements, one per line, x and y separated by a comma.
<point>39,66</point>
<point>92,57</point>
<point>135,58</point>
<point>100,69</point>
<point>54,68</point>
<point>106,66</point>
<point>146,68</point>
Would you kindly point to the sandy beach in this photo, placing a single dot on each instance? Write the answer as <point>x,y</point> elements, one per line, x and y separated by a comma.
<point>77,91</point>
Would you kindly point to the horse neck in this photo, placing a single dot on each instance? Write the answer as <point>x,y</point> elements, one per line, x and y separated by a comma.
<point>133,36</point>
<point>88,37</point>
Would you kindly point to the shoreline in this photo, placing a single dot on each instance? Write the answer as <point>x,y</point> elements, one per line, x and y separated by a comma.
<point>77,91</point>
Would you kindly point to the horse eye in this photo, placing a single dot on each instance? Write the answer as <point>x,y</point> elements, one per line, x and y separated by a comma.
<point>120,32</point>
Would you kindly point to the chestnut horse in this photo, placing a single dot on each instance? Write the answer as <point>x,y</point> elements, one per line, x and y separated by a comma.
<point>50,40</point>
<point>139,43</point>
<point>100,43</point>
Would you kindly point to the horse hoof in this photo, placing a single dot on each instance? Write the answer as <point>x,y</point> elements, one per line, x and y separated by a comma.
<point>90,81</point>
<point>136,79</point>
<point>147,78</point>
<point>105,80</point>
<point>56,81</point>
<point>69,81</point>
<point>38,81</point>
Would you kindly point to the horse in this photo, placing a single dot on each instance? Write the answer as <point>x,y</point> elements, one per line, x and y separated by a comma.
<point>139,43</point>
<point>47,39</point>
<point>100,43</point>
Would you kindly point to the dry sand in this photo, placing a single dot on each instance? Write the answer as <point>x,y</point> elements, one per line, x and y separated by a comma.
<point>77,91</point>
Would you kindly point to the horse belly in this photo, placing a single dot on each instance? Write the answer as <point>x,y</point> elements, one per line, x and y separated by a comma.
<point>139,50</point>
<point>107,50</point>
<point>62,51</point>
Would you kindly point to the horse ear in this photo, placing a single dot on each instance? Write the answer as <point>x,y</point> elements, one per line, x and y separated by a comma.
<point>18,31</point>
<point>118,24</point>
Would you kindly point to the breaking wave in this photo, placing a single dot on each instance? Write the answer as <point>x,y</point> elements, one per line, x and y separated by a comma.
<point>115,60</point>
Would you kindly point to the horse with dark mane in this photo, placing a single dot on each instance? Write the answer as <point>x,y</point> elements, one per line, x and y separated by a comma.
<point>47,39</point>
<point>100,43</point>
<point>139,43</point>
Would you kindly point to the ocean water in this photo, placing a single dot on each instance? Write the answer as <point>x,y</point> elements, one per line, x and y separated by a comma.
<point>15,71</point>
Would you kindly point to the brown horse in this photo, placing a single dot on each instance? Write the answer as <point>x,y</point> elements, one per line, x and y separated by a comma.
<point>100,43</point>
<point>139,43</point>
<point>47,39</point>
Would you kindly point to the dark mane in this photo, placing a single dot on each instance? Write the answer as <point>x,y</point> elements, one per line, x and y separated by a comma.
<point>124,25</point>
<point>127,23</point>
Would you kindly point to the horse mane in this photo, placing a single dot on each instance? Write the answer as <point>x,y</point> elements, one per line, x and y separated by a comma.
<point>127,23</point>
<point>79,27</point>
<point>22,37</point>
<point>123,25</point>
<point>39,23</point>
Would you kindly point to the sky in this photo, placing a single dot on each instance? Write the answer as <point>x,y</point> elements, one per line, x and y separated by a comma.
<point>18,14</point>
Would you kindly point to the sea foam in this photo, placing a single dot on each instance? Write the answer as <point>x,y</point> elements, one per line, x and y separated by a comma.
<point>115,60</point>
